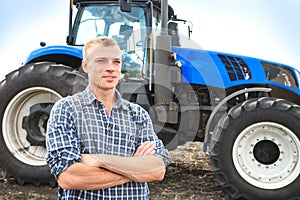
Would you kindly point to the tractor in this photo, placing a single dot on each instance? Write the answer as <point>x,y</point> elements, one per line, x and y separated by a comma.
<point>245,110</point>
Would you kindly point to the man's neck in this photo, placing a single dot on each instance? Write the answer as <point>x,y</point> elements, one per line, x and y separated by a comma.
<point>107,97</point>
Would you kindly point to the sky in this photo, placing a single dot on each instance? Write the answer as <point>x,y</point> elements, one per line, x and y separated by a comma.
<point>266,29</point>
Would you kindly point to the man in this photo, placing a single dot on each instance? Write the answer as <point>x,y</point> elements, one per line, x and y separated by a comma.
<point>99,145</point>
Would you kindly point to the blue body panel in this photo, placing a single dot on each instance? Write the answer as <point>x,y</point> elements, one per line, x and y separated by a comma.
<point>198,67</point>
<point>206,68</point>
<point>66,50</point>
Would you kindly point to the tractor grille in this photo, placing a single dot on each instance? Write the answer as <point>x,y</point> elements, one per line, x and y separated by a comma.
<point>236,68</point>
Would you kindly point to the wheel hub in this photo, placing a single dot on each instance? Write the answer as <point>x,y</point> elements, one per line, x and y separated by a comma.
<point>24,124</point>
<point>266,152</point>
<point>266,155</point>
<point>35,123</point>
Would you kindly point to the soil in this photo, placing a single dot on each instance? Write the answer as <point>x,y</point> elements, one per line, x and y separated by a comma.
<point>188,177</point>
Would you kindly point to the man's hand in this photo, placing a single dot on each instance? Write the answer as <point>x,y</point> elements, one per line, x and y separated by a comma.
<point>146,149</point>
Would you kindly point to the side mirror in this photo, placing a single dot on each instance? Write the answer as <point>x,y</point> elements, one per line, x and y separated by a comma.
<point>125,5</point>
<point>190,31</point>
<point>190,26</point>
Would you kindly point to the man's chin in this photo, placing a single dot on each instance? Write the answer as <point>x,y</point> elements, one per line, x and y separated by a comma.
<point>107,87</point>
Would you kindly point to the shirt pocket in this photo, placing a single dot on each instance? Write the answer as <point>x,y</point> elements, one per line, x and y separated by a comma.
<point>128,141</point>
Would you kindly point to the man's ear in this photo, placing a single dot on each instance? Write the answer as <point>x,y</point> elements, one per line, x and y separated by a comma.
<point>84,66</point>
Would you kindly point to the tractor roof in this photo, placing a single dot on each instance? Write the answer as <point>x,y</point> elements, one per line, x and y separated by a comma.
<point>157,3</point>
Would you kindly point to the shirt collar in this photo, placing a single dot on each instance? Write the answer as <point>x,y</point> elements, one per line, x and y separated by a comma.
<point>88,96</point>
<point>120,102</point>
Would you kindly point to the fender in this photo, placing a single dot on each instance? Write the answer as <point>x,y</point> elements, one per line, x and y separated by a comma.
<point>75,51</point>
<point>218,107</point>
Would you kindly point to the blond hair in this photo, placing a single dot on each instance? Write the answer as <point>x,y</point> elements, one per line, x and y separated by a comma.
<point>101,41</point>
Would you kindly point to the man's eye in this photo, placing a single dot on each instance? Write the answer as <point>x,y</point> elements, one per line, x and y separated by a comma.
<point>100,61</point>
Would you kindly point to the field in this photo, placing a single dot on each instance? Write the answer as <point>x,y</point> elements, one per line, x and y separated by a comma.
<point>188,177</point>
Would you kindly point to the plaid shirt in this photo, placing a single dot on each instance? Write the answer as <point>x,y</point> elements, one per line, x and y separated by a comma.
<point>79,124</point>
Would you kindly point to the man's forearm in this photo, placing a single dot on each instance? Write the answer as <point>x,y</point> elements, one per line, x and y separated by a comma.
<point>80,176</point>
<point>138,168</point>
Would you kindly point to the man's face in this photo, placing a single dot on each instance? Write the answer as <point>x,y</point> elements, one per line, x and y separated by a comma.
<point>103,65</point>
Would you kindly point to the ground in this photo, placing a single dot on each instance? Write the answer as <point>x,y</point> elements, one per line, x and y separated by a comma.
<point>188,177</point>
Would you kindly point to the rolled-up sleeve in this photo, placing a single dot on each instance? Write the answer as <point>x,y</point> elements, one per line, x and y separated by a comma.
<point>147,134</point>
<point>62,142</point>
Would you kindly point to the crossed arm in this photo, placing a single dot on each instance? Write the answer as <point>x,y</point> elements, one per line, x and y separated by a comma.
<point>99,171</point>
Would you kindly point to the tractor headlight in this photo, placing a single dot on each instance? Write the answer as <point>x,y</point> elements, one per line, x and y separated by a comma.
<point>280,74</point>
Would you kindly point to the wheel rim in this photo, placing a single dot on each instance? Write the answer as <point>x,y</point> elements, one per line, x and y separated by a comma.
<point>14,134</point>
<point>266,155</point>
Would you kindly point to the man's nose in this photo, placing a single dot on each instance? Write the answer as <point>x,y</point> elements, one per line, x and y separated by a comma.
<point>110,67</point>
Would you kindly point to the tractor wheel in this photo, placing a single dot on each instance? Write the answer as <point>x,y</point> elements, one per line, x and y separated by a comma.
<point>256,150</point>
<point>27,96</point>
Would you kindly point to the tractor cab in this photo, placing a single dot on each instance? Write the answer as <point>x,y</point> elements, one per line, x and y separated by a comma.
<point>134,30</point>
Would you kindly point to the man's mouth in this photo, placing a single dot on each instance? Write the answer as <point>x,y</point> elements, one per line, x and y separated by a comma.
<point>109,78</point>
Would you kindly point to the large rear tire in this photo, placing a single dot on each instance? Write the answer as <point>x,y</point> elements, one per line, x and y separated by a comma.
<point>256,150</point>
<point>27,96</point>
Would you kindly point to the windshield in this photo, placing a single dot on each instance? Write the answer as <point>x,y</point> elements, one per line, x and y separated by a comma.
<point>128,29</point>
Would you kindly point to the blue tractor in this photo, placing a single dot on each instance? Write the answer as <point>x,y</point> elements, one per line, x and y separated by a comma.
<point>244,110</point>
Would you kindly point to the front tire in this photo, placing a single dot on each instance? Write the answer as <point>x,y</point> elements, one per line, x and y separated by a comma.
<point>27,96</point>
<point>256,150</point>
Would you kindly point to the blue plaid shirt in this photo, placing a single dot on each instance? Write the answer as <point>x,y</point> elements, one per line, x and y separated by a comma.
<point>79,124</point>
